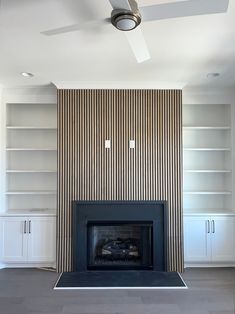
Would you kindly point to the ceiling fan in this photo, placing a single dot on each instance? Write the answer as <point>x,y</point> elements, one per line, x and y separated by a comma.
<point>127,16</point>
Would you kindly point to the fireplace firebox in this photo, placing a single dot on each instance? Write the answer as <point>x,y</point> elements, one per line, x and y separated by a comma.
<point>119,235</point>
<point>120,245</point>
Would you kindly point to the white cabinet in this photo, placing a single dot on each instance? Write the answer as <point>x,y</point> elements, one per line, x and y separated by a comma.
<point>223,239</point>
<point>209,238</point>
<point>41,240</point>
<point>29,185</point>
<point>196,239</point>
<point>27,239</point>
<point>13,246</point>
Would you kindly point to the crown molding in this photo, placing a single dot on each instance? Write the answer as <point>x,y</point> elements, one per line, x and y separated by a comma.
<point>118,85</point>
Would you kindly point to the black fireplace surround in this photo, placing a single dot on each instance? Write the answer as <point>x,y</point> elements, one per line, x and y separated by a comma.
<point>119,235</point>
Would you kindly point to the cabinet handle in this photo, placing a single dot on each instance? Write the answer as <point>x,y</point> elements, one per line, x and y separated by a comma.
<point>29,226</point>
<point>25,222</point>
<point>213,226</point>
<point>208,226</point>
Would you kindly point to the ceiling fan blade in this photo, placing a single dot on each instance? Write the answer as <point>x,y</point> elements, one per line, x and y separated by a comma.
<point>183,8</point>
<point>120,4</point>
<point>138,45</point>
<point>62,30</point>
<point>76,27</point>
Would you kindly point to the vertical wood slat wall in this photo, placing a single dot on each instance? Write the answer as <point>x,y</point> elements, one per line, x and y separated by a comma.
<point>150,171</point>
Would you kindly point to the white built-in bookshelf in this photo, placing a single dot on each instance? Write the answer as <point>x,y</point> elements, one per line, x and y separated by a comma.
<point>31,156</point>
<point>207,158</point>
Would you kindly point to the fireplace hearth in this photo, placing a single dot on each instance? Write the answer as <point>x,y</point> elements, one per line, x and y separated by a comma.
<point>119,235</point>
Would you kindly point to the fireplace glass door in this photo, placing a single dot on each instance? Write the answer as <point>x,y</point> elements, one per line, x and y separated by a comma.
<point>120,245</point>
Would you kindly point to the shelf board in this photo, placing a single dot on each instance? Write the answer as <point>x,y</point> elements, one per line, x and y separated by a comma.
<point>208,192</point>
<point>31,128</point>
<point>208,211</point>
<point>32,101</point>
<point>209,149</point>
<point>31,149</point>
<point>208,171</point>
<point>30,171</point>
<point>30,192</point>
<point>206,127</point>
<point>18,212</point>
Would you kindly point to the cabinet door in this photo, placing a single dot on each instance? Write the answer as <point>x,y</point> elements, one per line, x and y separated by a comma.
<point>223,239</point>
<point>41,239</point>
<point>197,246</point>
<point>13,247</point>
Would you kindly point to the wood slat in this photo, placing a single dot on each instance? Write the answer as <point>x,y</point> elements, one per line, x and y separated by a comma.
<point>88,171</point>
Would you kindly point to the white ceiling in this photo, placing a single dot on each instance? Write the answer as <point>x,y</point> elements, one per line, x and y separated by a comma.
<point>183,50</point>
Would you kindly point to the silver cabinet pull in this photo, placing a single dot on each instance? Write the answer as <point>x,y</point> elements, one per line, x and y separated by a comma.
<point>25,225</point>
<point>29,226</point>
<point>213,226</point>
<point>208,226</point>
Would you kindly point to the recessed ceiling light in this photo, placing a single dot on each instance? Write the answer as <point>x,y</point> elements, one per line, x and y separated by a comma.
<point>26,74</point>
<point>213,75</point>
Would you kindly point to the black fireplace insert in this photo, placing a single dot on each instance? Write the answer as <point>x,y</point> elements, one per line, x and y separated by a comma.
<point>119,235</point>
<point>119,244</point>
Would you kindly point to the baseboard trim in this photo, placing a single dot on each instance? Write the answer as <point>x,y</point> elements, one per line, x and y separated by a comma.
<point>27,265</point>
<point>2,266</point>
<point>208,265</point>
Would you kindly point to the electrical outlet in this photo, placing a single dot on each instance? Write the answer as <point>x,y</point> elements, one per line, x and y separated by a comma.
<point>132,144</point>
<point>107,144</point>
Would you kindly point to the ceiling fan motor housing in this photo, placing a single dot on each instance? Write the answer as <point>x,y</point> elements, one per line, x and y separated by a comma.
<point>125,20</point>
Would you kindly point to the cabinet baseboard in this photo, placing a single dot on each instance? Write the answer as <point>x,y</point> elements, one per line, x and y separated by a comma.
<point>209,264</point>
<point>27,265</point>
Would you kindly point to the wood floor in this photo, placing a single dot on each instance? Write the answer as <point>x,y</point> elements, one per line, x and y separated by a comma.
<point>23,291</point>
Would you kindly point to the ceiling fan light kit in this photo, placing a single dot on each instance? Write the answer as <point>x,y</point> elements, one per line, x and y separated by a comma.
<point>125,21</point>
<point>125,15</point>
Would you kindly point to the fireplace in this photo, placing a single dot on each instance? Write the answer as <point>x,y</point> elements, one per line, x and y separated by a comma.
<point>119,235</point>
